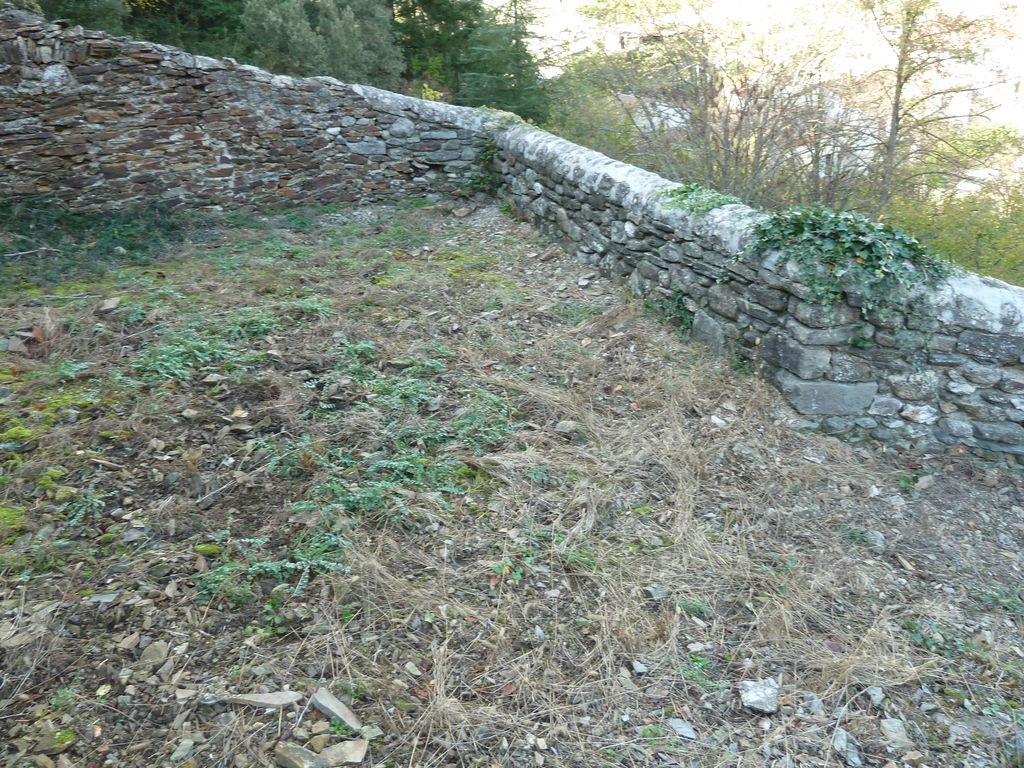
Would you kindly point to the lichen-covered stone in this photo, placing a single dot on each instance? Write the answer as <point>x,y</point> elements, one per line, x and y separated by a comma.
<point>826,397</point>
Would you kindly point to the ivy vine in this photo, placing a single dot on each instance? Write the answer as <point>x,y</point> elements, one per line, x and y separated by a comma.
<point>698,199</point>
<point>841,252</point>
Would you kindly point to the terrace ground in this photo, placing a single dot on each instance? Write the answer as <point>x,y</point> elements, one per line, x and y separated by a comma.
<point>509,514</point>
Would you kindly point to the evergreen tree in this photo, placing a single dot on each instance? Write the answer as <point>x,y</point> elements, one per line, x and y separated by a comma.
<point>498,69</point>
<point>107,15</point>
<point>433,35</point>
<point>359,42</point>
<point>347,39</point>
<point>211,27</point>
<point>282,39</point>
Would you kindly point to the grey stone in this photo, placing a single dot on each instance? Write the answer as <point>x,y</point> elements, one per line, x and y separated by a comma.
<point>958,427</point>
<point>403,128</point>
<point>847,748</point>
<point>839,334</point>
<point>439,135</point>
<point>770,298</point>
<point>1007,432</point>
<point>885,406</point>
<point>847,369</point>
<point>876,543</point>
<point>708,330</point>
<point>154,654</point>
<point>822,316</point>
<point>723,301</point>
<point>782,351</point>
<point>293,756</point>
<point>369,147</point>
<point>760,695</point>
<point>183,750</point>
<point>915,386</point>
<point>875,695</point>
<point>895,732</point>
<point>826,397</point>
<point>997,346</point>
<point>836,425</point>
<point>277,700</point>
<point>332,706</point>
<point>683,728</point>
<point>982,375</point>
<point>1012,382</point>
<point>348,752</point>
<point>657,592</point>
<point>920,414</point>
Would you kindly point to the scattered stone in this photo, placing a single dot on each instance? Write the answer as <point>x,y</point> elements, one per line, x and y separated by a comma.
<point>55,742</point>
<point>914,758</point>
<point>875,541</point>
<point>683,728</point>
<point>332,706</point>
<point>657,592</point>
<point>847,748</point>
<point>319,742</point>
<point>895,732</point>
<point>154,654</point>
<point>278,700</point>
<point>371,732</point>
<point>107,306</point>
<point>567,428</point>
<point>876,695</point>
<point>350,752</point>
<point>760,695</point>
<point>184,750</point>
<point>639,667</point>
<point>294,756</point>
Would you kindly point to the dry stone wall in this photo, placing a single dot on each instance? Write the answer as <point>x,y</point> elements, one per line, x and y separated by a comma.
<point>106,122</point>
<point>101,121</point>
<point>959,380</point>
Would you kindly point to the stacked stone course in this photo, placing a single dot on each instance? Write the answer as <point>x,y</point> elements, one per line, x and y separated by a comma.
<point>106,122</point>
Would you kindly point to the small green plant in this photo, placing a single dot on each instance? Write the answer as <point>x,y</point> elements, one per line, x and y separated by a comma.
<point>63,699</point>
<point>856,536</point>
<point>85,506</point>
<point>48,243</point>
<point>693,607</point>
<point>487,179</point>
<point>698,199</point>
<point>740,362</point>
<point>673,311</point>
<point>1011,600</point>
<point>928,635</point>
<point>274,620</point>
<point>338,728</point>
<point>695,672</point>
<point>229,582</point>
<point>575,312</point>
<point>542,475</point>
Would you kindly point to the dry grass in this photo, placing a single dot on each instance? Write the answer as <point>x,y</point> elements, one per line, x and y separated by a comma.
<point>509,619</point>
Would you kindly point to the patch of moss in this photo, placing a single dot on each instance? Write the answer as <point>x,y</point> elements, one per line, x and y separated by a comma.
<point>12,522</point>
<point>51,477</point>
<point>17,434</point>
<point>78,398</point>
